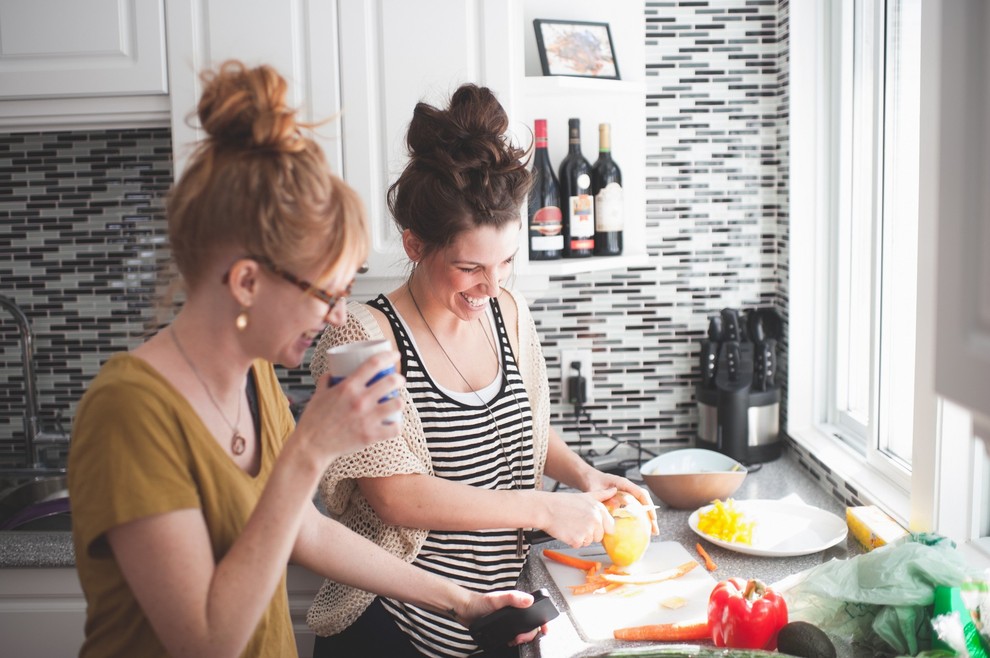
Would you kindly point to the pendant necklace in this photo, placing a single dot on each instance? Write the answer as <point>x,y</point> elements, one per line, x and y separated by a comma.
<point>237,442</point>
<point>498,432</point>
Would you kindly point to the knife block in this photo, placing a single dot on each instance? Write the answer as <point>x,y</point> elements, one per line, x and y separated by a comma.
<point>738,400</point>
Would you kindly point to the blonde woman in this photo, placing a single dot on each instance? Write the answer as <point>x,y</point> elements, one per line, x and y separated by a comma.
<point>191,485</point>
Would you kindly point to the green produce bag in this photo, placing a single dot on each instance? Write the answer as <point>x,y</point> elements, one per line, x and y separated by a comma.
<point>882,599</point>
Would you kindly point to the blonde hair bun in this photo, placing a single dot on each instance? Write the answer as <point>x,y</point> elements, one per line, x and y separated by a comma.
<point>259,184</point>
<point>246,108</point>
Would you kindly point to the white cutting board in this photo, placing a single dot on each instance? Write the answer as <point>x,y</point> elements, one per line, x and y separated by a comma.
<point>596,616</point>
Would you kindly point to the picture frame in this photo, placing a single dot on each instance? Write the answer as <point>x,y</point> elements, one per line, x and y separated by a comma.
<point>576,48</point>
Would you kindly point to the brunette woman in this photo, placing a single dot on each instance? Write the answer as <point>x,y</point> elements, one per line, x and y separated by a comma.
<point>456,491</point>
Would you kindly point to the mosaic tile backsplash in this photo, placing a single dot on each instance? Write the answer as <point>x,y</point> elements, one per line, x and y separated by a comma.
<point>716,219</point>
<point>83,235</point>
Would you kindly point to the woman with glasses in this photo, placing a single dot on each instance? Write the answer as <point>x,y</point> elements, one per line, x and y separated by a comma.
<point>191,484</point>
<point>456,491</point>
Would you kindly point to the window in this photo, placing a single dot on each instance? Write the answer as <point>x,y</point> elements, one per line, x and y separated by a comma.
<point>873,269</point>
<point>857,174</point>
<point>865,113</point>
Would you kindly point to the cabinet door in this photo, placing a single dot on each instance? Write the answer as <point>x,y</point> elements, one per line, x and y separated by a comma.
<point>296,37</point>
<point>63,48</point>
<point>303,586</point>
<point>42,612</point>
<point>394,53</point>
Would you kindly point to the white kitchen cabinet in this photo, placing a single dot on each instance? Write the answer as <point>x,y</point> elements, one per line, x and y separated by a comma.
<point>76,63</point>
<point>394,53</point>
<point>297,37</point>
<point>302,585</point>
<point>962,363</point>
<point>43,611</point>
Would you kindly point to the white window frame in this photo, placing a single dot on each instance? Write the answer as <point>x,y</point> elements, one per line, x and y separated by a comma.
<point>839,161</point>
<point>946,492</point>
<point>874,172</point>
<point>852,182</point>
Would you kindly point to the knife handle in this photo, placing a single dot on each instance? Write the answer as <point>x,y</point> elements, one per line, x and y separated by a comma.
<point>708,360</point>
<point>769,362</point>
<point>730,325</point>
<point>715,328</point>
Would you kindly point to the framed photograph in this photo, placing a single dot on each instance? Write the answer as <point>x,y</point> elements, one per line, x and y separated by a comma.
<point>576,48</point>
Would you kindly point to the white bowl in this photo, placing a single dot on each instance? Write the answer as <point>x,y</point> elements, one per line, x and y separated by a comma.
<point>692,477</point>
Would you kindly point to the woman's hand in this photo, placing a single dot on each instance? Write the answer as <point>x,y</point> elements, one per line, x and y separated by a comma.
<point>483,604</point>
<point>598,480</point>
<point>348,416</point>
<point>578,519</point>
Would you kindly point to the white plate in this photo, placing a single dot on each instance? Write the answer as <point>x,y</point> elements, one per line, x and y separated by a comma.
<point>782,529</point>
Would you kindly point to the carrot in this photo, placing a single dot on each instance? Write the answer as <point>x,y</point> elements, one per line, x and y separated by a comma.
<point>677,632</point>
<point>593,585</point>
<point>571,561</point>
<point>587,587</point>
<point>656,577</point>
<point>709,563</point>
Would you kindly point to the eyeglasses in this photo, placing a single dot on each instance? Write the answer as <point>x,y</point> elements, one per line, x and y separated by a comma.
<point>330,299</point>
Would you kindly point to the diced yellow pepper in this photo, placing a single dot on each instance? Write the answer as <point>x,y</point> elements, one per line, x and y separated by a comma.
<point>723,521</point>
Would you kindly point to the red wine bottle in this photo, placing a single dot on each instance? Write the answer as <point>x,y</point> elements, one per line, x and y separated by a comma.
<point>606,186</point>
<point>545,239</point>
<point>576,201</point>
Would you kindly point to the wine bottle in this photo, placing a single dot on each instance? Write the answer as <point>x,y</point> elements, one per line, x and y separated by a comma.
<point>545,239</point>
<point>606,186</point>
<point>577,204</point>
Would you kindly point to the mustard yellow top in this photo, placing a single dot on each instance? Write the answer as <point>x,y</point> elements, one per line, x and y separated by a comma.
<point>138,449</point>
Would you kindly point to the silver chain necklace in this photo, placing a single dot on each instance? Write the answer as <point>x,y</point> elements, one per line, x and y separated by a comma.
<point>498,432</point>
<point>237,442</point>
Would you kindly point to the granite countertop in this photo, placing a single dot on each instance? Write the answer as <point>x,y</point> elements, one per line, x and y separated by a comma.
<point>781,478</point>
<point>36,549</point>
<point>774,480</point>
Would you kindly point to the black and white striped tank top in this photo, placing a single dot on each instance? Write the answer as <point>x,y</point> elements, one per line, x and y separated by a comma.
<point>466,446</point>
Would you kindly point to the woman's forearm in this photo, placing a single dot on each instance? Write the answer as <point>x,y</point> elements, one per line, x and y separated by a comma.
<point>566,466</point>
<point>332,550</point>
<point>425,501</point>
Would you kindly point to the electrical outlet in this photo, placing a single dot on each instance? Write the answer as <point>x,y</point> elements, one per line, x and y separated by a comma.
<point>567,357</point>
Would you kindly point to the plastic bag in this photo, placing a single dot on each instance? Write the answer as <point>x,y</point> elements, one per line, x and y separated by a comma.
<point>882,599</point>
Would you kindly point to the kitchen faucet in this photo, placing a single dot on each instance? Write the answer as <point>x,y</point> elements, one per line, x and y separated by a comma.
<point>35,439</point>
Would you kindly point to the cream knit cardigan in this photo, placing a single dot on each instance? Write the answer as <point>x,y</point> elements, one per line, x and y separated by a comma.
<point>337,606</point>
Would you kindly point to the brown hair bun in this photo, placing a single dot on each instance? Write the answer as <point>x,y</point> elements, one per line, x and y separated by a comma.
<point>463,170</point>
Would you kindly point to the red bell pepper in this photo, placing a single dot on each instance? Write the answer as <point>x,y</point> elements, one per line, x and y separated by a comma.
<point>745,614</point>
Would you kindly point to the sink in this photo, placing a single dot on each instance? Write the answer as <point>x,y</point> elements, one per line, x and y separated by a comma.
<point>34,501</point>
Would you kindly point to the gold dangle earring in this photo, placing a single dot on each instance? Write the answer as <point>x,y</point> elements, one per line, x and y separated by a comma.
<point>242,319</point>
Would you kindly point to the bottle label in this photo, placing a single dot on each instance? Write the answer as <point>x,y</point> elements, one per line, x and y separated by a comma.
<point>545,228</point>
<point>582,222</point>
<point>546,242</point>
<point>609,214</point>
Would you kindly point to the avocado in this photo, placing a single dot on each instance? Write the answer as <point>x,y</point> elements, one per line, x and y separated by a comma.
<point>799,638</point>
